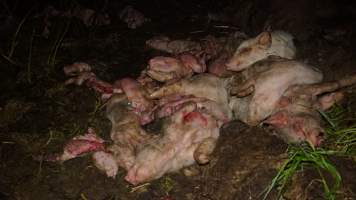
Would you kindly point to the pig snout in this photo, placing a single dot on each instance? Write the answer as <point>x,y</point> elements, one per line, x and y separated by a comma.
<point>233,64</point>
<point>315,137</point>
<point>297,128</point>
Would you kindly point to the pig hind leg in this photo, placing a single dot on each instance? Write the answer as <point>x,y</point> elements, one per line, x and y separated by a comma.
<point>328,100</point>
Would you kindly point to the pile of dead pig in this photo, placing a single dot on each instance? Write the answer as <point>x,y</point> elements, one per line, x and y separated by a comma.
<point>201,87</point>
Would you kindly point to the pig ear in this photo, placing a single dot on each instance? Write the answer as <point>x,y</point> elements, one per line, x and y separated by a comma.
<point>265,39</point>
<point>278,120</point>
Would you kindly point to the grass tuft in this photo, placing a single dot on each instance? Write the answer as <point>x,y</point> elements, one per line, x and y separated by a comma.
<point>341,141</point>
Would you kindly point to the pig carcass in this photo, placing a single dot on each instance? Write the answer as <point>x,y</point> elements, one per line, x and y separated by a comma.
<point>277,43</point>
<point>296,116</point>
<point>80,73</point>
<point>264,83</point>
<point>127,136</point>
<point>77,146</point>
<point>169,69</point>
<point>189,136</point>
<point>204,85</point>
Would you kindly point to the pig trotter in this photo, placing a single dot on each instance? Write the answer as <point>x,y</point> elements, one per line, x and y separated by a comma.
<point>205,149</point>
<point>167,90</point>
<point>105,162</point>
<point>244,90</point>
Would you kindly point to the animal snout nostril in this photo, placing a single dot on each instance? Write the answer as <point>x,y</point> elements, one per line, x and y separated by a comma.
<point>321,134</point>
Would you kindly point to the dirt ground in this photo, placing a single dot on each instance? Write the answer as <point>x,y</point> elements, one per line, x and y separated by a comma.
<point>39,115</point>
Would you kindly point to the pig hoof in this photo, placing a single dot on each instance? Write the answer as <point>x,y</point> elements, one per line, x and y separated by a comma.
<point>105,162</point>
<point>191,171</point>
<point>202,159</point>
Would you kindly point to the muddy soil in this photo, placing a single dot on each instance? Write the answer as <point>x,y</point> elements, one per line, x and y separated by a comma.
<point>38,113</point>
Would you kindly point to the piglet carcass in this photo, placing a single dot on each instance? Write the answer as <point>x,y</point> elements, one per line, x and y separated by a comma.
<point>263,86</point>
<point>127,136</point>
<point>296,116</point>
<point>78,146</point>
<point>203,85</point>
<point>171,69</point>
<point>189,136</point>
<point>277,43</point>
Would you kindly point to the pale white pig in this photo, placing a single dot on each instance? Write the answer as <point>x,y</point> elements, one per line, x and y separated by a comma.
<point>189,136</point>
<point>202,85</point>
<point>277,43</point>
<point>264,83</point>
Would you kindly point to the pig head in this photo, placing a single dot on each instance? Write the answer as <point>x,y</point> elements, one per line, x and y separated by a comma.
<point>138,100</point>
<point>126,131</point>
<point>189,136</point>
<point>267,43</point>
<point>297,114</point>
<point>166,69</point>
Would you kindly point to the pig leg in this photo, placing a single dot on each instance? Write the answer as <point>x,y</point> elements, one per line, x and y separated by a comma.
<point>205,149</point>
<point>316,89</point>
<point>124,155</point>
<point>328,100</point>
<point>161,76</point>
<point>192,170</point>
<point>214,109</point>
<point>77,146</point>
<point>167,90</point>
<point>105,162</point>
<point>244,90</point>
<point>172,107</point>
<point>92,81</point>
